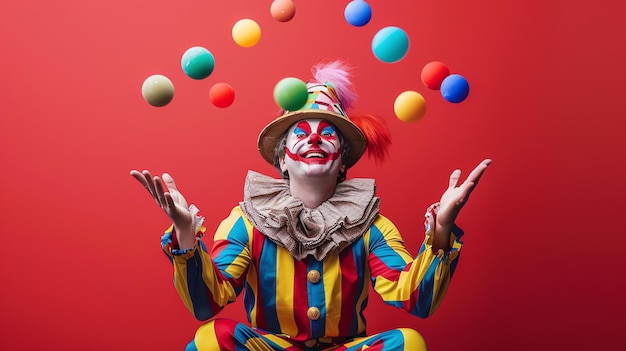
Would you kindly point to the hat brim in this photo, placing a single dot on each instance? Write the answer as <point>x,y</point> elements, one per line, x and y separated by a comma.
<point>270,135</point>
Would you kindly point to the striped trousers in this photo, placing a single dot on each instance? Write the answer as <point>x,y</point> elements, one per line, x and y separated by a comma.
<point>230,335</point>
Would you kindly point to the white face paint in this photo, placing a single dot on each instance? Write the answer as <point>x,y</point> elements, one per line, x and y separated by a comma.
<point>313,149</point>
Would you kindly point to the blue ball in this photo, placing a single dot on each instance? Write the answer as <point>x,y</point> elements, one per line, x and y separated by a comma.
<point>198,62</point>
<point>390,44</point>
<point>454,88</point>
<point>358,13</point>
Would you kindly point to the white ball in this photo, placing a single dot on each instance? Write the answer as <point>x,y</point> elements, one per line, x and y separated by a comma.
<point>157,90</point>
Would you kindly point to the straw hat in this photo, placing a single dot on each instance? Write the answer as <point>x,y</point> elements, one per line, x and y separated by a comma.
<point>322,103</point>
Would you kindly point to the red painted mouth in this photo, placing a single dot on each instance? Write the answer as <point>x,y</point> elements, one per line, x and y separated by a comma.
<point>314,155</point>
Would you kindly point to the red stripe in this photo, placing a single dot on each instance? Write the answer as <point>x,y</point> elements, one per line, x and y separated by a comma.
<point>301,300</point>
<point>413,297</point>
<point>378,345</point>
<point>379,268</point>
<point>258,240</point>
<point>218,246</point>
<point>349,279</point>
<point>225,333</point>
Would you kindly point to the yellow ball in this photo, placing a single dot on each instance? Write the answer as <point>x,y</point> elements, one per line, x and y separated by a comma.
<point>410,106</point>
<point>246,33</point>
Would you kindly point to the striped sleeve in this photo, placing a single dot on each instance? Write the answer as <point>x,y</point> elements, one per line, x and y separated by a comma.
<point>418,284</point>
<point>208,282</point>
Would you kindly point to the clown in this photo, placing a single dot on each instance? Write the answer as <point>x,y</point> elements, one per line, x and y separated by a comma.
<point>305,248</point>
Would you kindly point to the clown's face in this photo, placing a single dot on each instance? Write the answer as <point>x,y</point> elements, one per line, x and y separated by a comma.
<point>313,149</point>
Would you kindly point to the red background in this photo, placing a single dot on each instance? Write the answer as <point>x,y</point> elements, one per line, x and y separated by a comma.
<point>542,268</point>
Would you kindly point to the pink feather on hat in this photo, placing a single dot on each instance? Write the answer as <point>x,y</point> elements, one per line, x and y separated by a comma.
<point>337,73</point>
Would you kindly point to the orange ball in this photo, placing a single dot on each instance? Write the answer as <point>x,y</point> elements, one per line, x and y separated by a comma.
<point>283,10</point>
<point>221,95</point>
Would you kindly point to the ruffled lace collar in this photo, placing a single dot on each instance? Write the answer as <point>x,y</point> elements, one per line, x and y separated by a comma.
<point>327,229</point>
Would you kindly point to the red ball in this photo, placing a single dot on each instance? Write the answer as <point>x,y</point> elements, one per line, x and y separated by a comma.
<point>433,74</point>
<point>221,95</point>
<point>283,10</point>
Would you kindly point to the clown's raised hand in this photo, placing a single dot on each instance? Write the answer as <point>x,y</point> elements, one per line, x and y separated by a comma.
<point>172,202</point>
<point>453,199</point>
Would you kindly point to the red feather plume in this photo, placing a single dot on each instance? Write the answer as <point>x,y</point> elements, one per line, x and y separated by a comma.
<point>377,134</point>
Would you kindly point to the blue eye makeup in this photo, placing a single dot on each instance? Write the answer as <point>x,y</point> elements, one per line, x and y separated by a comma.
<point>327,131</point>
<point>299,132</point>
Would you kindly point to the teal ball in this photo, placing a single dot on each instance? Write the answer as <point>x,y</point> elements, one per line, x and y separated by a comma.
<point>198,62</point>
<point>390,44</point>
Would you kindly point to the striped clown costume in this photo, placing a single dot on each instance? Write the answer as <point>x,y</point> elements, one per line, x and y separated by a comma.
<point>305,274</point>
<point>307,303</point>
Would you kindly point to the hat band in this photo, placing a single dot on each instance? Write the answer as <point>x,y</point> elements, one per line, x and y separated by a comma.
<point>322,97</point>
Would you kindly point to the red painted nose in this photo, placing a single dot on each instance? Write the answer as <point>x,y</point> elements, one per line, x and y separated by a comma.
<point>315,139</point>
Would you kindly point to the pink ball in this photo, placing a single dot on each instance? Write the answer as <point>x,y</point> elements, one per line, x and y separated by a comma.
<point>221,95</point>
<point>433,74</point>
<point>283,10</point>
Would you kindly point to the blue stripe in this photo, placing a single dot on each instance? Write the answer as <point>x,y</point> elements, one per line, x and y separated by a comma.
<point>459,233</point>
<point>453,264</point>
<point>243,333</point>
<point>358,253</point>
<point>362,314</point>
<point>166,239</point>
<point>191,346</point>
<point>237,242</point>
<point>425,291</point>
<point>198,291</point>
<point>422,248</point>
<point>386,254</point>
<point>317,298</point>
<point>248,299</point>
<point>392,340</point>
<point>267,284</point>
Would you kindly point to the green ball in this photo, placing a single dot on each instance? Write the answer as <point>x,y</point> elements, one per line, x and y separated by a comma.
<point>291,93</point>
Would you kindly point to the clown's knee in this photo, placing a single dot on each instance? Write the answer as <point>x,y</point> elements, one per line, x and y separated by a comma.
<point>413,340</point>
<point>214,335</point>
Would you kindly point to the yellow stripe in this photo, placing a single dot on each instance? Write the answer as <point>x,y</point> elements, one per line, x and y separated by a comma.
<point>180,281</point>
<point>258,344</point>
<point>332,292</point>
<point>224,228</point>
<point>413,340</point>
<point>237,267</point>
<point>251,276</point>
<point>222,293</point>
<point>409,280</point>
<point>278,341</point>
<point>205,338</point>
<point>284,301</point>
<point>442,282</point>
